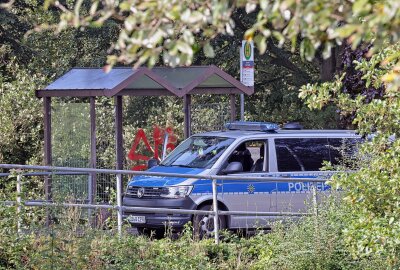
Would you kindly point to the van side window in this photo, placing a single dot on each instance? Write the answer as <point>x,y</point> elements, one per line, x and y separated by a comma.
<point>306,154</point>
<point>286,160</point>
<point>251,155</point>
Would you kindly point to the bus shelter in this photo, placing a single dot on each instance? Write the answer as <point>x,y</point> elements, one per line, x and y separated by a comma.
<point>182,82</point>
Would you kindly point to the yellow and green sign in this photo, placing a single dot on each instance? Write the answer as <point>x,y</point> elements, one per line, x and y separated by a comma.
<point>247,50</point>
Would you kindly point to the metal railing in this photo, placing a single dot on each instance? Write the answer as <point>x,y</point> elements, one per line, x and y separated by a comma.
<point>215,212</point>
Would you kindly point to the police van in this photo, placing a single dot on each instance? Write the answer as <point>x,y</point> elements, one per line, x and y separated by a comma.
<point>243,149</point>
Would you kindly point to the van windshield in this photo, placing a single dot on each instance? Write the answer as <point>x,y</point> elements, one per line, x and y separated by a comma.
<point>198,152</point>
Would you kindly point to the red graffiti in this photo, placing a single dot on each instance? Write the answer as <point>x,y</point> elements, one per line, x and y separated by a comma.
<point>158,140</point>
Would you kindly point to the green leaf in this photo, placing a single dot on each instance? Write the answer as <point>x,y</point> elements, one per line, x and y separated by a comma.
<point>208,50</point>
<point>261,43</point>
<point>391,220</point>
<point>361,6</point>
<point>346,30</point>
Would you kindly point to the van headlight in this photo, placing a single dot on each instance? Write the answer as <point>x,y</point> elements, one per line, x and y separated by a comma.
<point>175,192</point>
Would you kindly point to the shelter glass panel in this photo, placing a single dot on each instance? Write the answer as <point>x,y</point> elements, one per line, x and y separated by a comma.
<point>70,148</point>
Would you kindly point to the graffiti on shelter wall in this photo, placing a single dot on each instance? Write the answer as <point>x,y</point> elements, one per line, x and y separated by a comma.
<point>158,134</point>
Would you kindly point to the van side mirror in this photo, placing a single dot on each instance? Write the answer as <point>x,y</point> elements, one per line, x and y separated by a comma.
<point>233,167</point>
<point>152,163</point>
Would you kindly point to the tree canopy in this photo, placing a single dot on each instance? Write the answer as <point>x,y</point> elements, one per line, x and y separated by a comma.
<point>175,29</point>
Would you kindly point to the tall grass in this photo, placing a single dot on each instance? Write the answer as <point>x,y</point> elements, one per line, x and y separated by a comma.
<point>313,242</point>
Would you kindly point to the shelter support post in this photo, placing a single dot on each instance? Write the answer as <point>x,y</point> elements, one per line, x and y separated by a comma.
<point>93,156</point>
<point>119,151</point>
<point>47,143</point>
<point>118,133</point>
<point>232,103</point>
<point>187,100</point>
<point>47,151</point>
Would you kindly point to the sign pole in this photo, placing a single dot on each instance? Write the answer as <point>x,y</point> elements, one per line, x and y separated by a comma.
<point>241,80</point>
<point>241,107</point>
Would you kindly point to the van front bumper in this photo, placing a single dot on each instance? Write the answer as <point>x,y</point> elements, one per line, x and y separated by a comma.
<point>158,220</point>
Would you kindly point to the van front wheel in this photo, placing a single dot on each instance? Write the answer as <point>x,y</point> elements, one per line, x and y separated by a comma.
<point>203,225</point>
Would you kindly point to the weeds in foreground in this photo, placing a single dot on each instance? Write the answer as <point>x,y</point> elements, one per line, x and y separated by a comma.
<point>70,243</point>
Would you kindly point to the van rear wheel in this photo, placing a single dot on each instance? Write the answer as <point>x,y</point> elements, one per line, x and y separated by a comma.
<point>203,225</point>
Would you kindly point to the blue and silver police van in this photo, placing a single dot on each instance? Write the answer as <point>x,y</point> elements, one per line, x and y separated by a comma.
<point>243,149</point>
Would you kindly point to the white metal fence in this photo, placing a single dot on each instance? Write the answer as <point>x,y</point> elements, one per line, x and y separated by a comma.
<point>215,212</point>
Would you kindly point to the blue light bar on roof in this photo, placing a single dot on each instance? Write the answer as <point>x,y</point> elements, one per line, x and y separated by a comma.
<point>252,126</point>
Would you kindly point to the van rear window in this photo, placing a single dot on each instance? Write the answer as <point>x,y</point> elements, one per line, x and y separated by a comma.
<point>308,154</point>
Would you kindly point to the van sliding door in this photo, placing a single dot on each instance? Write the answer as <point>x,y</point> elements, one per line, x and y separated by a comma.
<point>249,195</point>
<point>299,158</point>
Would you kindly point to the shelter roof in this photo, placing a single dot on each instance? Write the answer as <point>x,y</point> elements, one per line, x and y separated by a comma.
<point>86,82</point>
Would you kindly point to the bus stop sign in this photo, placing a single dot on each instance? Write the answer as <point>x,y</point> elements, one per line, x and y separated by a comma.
<point>247,63</point>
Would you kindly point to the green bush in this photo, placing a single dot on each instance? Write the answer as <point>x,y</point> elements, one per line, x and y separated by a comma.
<point>371,192</point>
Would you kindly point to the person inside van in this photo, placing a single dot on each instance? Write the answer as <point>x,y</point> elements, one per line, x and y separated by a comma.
<point>259,164</point>
<point>242,155</point>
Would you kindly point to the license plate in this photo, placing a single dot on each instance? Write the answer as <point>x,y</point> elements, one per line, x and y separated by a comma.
<point>137,219</point>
